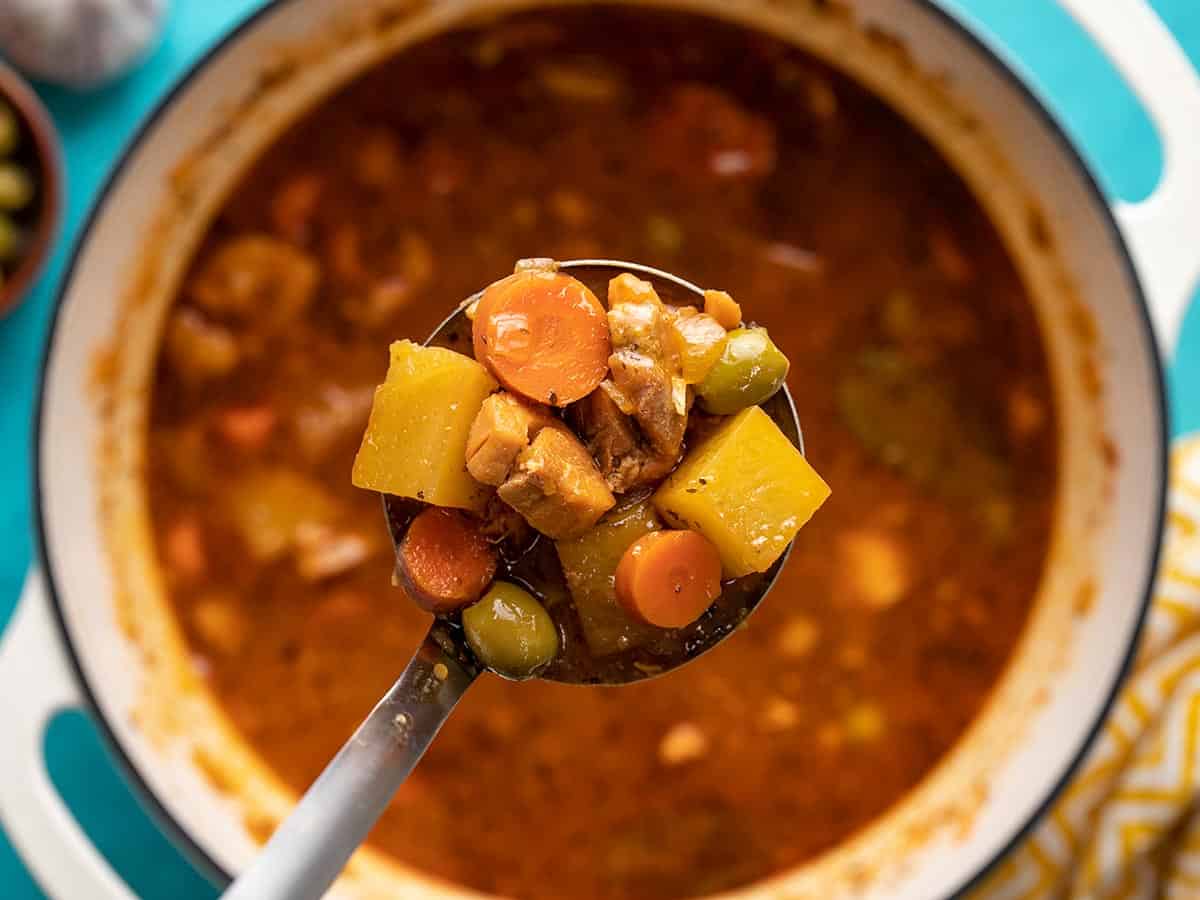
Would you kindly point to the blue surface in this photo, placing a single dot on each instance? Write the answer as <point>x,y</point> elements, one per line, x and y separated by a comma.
<point>1079,85</point>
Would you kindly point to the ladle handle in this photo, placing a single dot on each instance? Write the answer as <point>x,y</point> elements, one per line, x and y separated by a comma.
<point>311,847</point>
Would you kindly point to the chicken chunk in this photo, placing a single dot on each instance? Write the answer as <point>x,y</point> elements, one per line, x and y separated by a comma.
<point>638,320</point>
<point>658,406</point>
<point>645,363</point>
<point>255,278</point>
<point>612,439</point>
<point>324,552</point>
<point>684,743</point>
<point>625,459</point>
<point>501,524</point>
<point>877,567</point>
<point>199,350</point>
<point>294,205</point>
<point>220,622</point>
<point>503,428</point>
<point>377,160</point>
<point>330,416</point>
<point>556,485</point>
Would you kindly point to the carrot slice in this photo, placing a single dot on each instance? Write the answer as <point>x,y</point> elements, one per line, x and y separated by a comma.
<point>669,578</point>
<point>543,335</point>
<point>247,427</point>
<point>445,562</point>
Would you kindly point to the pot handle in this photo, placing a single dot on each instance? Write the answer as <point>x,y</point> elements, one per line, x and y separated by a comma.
<point>1160,230</point>
<point>36,682</point>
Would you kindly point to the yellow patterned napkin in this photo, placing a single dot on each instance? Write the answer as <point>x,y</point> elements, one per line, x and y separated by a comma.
<point>1128,827</point>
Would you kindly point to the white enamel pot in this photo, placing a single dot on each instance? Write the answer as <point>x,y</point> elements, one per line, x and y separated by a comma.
<point>1110,284</point>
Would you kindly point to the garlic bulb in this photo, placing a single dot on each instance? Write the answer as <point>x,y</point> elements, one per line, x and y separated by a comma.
<point>80,43</point>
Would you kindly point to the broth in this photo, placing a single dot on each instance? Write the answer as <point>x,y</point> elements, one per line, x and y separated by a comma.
<point>736,161</point>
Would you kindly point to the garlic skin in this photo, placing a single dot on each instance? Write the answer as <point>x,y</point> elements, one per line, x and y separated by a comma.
<point>78,43</point>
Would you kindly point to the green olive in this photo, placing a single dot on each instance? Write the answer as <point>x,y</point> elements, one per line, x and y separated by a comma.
<point>510,632</point>
<point>16,187</point>
<point>10,239</point>
<point>750,370</point>
<point>10,129</point>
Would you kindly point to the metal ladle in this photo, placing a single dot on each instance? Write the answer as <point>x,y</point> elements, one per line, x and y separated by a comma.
<point>311,847</point>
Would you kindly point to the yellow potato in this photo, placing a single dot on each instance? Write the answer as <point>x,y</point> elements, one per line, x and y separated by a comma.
<point>723,308</point>
<point>700,339</point>
<point>746,489</point>
<point>416,440</point>
<point>271,508</point>
<point>589,563</point>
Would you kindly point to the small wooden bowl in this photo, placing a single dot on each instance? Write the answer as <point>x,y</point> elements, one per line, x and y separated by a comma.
<point>39,152</point>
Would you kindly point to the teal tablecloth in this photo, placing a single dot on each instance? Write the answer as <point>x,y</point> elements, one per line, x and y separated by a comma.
<point>1092,100</point>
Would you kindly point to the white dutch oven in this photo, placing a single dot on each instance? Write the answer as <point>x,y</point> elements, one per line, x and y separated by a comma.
<point>1100,279</point>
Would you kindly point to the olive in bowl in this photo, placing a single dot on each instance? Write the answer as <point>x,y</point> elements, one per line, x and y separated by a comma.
<point>30,187</point>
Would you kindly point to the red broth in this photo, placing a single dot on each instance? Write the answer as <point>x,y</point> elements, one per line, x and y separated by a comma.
<point>738,162</point>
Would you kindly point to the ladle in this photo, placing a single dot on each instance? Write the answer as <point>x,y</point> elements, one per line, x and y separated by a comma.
<point>311,847</point>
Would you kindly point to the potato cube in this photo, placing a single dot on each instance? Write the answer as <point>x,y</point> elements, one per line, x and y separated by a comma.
<point>746,489</point>
<point>589,564</point>
<point>416,440</point>
<point>270,508</point>
<point>723,308</point>
<point>700,340</point>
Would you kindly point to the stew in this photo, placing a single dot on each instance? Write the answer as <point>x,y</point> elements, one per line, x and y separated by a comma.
<point>563,406</point>
<point>701,148</point>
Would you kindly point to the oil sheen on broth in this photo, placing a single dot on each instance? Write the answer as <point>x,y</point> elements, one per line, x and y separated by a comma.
<point>738,162</point>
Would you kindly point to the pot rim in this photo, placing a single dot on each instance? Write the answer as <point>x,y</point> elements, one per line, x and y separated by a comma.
<point>182,838</point>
